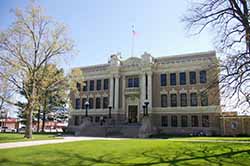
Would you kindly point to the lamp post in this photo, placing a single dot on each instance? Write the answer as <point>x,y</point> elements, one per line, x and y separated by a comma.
<point>86,108</point>
<point>144,108</point>
<point>146,102</point>
<point>110,107</point>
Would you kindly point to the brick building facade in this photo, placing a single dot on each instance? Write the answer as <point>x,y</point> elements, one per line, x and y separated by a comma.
<point>177,89</point>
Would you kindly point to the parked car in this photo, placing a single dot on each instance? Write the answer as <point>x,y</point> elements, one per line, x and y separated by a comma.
<point>59,130</point>
<point>5,129</point>
<point>21,129</point>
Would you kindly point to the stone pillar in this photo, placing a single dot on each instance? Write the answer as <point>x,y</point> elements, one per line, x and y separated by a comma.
<point>116,93</point>
<point>150,90</point>
<point>143,89</point>
<point>111,87</point>
<point>123,93</point>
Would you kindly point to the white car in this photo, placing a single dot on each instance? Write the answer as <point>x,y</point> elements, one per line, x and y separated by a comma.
<point>7,130</point>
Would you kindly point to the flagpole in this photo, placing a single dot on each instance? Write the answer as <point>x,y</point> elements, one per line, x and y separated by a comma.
<point>133,41</point>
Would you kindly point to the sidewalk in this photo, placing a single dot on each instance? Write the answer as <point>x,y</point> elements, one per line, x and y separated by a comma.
<point>43,142</point>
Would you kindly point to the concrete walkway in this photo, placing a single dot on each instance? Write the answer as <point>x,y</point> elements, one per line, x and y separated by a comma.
<point>43,142</point>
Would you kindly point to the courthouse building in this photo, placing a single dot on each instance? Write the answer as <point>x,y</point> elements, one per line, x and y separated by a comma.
<point>178,91</point>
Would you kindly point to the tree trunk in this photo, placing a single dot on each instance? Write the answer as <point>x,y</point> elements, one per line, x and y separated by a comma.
<point>43,119</point>
<point>38,120</point>
<point>29,110</point>
<point>248,39</point>
<point>28,131</point>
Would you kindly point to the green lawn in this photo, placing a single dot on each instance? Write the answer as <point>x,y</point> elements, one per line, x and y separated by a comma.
<point>128,153</point>
<point>214,138</point>
<point>13,137</point>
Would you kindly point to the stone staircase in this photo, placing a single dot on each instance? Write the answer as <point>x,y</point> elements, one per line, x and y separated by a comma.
<point>112,129</point>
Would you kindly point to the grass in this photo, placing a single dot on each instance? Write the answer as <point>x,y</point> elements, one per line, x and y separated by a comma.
<point>133,152</point>
<point>215,138</point>
<point>219,138</point>
<point>14,137</point>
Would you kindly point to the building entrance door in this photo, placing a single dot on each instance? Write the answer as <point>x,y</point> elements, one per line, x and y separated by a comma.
<point>132,113</point>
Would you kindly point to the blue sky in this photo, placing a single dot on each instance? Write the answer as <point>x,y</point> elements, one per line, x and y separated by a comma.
<point>103,27</point>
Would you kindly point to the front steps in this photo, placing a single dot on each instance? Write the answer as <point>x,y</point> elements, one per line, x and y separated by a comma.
<point>110,131</point>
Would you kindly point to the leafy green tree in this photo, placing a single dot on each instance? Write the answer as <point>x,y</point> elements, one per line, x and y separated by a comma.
<point>53,90</point>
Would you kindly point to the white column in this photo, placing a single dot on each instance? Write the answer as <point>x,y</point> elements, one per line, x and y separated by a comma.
<point>150,90</point>
<point>116,93</point>
<point>123,93</point>
<point>111,87</point>
<point>143,89</point>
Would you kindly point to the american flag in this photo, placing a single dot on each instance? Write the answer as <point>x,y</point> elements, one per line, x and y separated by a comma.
<point>134,33</point>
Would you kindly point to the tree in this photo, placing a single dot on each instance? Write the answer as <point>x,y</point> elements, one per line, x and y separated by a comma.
<point>31,43</point>
<point>53,91</point>
<point>230,21</point>
<point>5,94</point>
<point>53,94</point>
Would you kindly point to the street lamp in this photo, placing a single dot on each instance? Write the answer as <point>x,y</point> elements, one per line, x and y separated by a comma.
<point>110,107</point>
<point>144,108</point>
<point>86,108</point>
<point>146,102</point>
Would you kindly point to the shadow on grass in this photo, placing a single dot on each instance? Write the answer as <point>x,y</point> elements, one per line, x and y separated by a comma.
<point>219,155</point>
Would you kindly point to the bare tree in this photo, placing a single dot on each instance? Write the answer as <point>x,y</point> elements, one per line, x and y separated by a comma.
<point>229,19</point>
<point>31,42</point>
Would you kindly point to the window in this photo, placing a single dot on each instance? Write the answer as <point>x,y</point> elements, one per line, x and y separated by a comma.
<point>195,121</point>
<point>193,99</point>
<point>98,84</point>
<point>83,103</point>
<point>184,121</point>
<point>164,121</point>
<point>77,104</point>
<point>204,99</point>
<point>173,100</point>
<point>130,82</point>
<point>183,99</point>
<point>85,86</point>
<point>106,84</point>
<point>192,77</point>
<point>164,100</point>
<point>91,85</point>
<point>91,103</point>
<point>163,79</point>
<point>105,102</point>
<point>234,125</point>
<point>136,82</point>
<point>205,121</point>
<point>203,77</point>
<point>174,122</point>
<point>182,78</point>
<point>78,86</point>
<point>98,103</point>
<point>133,82</point>
<point>173,79</point>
